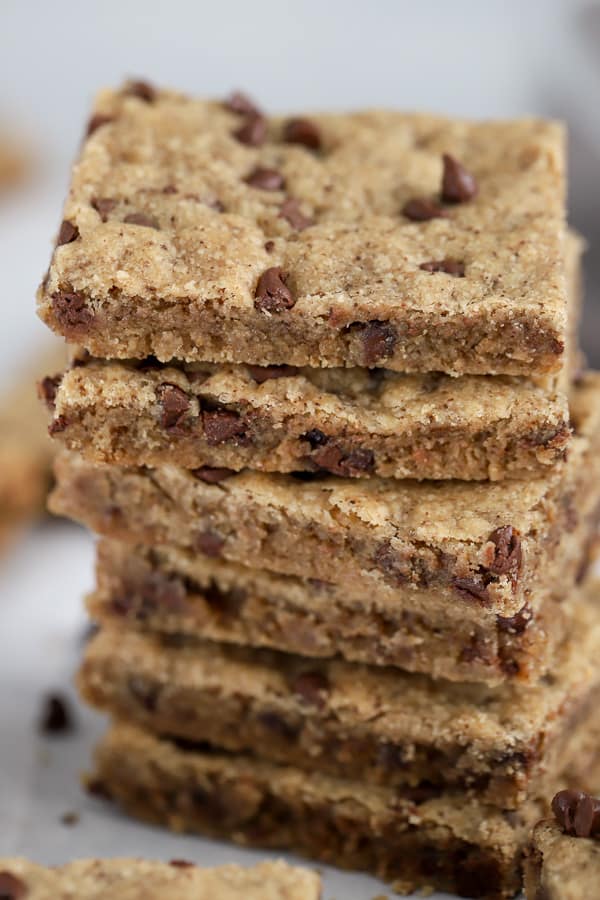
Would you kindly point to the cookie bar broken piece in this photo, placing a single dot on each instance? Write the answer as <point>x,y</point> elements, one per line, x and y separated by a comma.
<point>180,594</point>
<point>451,842</point>
<point>123,879</point>
<point>481,543</point>
<point>563,859</point>
<point>377,725</point>
<point>414,242</point>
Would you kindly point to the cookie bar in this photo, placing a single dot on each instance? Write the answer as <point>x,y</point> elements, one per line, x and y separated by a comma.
<point>126,879</point>
<point>206,231</point>
<point>450,842</point>
<point>26,452</point>
<point>564,864</point>
<point>173,592</point>
<point>487,544</point>
<point>347,720</point>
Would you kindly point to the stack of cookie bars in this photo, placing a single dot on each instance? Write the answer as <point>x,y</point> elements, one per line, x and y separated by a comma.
<point>327,413</point>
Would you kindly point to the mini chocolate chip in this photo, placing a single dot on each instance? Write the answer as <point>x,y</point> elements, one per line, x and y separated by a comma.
<point>577,813</point>
<point>71,310</point>
<point>226,603</point>
<point>241,104</point>
<point>57,425</point>
<point>253,132</point>
<point>11,887</point>
<point>379,341</point>
<point>142,90</point>
<point>260,374</point>
<point>518,623</point>
<point>272,293</point>
<point>448,266</point>
<point>352,464</point>
<point>276,724</point>
<point>144,692</point>
<point>97,121</point>
<point>182,864</point>
<point>56,715</point>
<point>270,246</point>
<point>67,234</point>
<point>212,475</point>
<point>508,554</point>
<point>222,425</point>
<point>421,209</point>
<point>70,819</point>
<point>143,220</point>
<point>291,212</point>
<point>310,687</point>
<point>103,206</point>
<point>302,131</point>
<point>175,404</point>
<point>265,179</point>
<point>470,589</point>
<point>209,543</point>
<point>458,185</point>
<point>315,437</point>
<point>47,389</point>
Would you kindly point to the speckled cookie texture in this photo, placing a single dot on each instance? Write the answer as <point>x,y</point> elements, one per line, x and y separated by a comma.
<point>468,543</point>
<point>203,231</point>
<point>381,726</point>
<point>452,842</point>
<point>560,866</point>
<point>134,879</point>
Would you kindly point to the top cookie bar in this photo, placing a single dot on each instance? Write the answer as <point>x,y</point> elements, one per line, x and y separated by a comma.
<point>204,230</point>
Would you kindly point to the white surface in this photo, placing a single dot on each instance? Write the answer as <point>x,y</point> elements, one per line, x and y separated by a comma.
<point>493,58</point>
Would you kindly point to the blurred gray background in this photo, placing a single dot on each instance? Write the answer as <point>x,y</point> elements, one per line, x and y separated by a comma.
<point>472,57</point>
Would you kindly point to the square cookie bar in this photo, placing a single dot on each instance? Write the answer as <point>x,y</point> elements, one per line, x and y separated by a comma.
<point>205,230</point>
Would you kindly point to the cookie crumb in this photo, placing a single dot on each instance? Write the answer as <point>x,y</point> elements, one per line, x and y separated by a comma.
<point>56,717</point>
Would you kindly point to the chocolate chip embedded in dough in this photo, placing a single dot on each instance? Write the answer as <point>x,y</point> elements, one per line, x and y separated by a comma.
<point>448,266</point>
<point>304,132</point>
<point>68,233</point>
<point>422,209</point>
<point>458,184</point>
<point>272,293</point>
<point>265,179</point>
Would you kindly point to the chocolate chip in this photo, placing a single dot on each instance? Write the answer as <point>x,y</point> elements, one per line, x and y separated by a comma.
<point>71,310</point>
<point>57,425</point>
<point>242,105</point>
<point>508,554</point>
<point>421,209</point>
<point>209,543</point>
<point>333,459</point>
<point>458,185</point>
<point>67,234</point>
<point>143,220</point>
<point>97,121</point>
<point>11,887</point>
<point>315,437</point>
<point>272,293</point>
<point>577,813</point>
<point>291,212</point>
<point>70,819</point>
<point>276,724</point>
<point>448,266</point>
<point>260,374</point>
<point>226,603</point>
<point>518,623</point>
<point>103,206</point>
<point>265,179</point>
<point>56,715</point>
<point>182,864</point>
<point>471,589</point>
<point>253,132</point>
<point>311,686</point>
<point>175,404</point>
<point>270,246</point>
<point>47,389</point>
<point>144,692</point>
<point>212,475</point>
<point>302,131</point>
<point>98,788</point>
<point>388,562</point>
<point>142,90</point>
<point>379,341</point>
<point>222,425</point>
